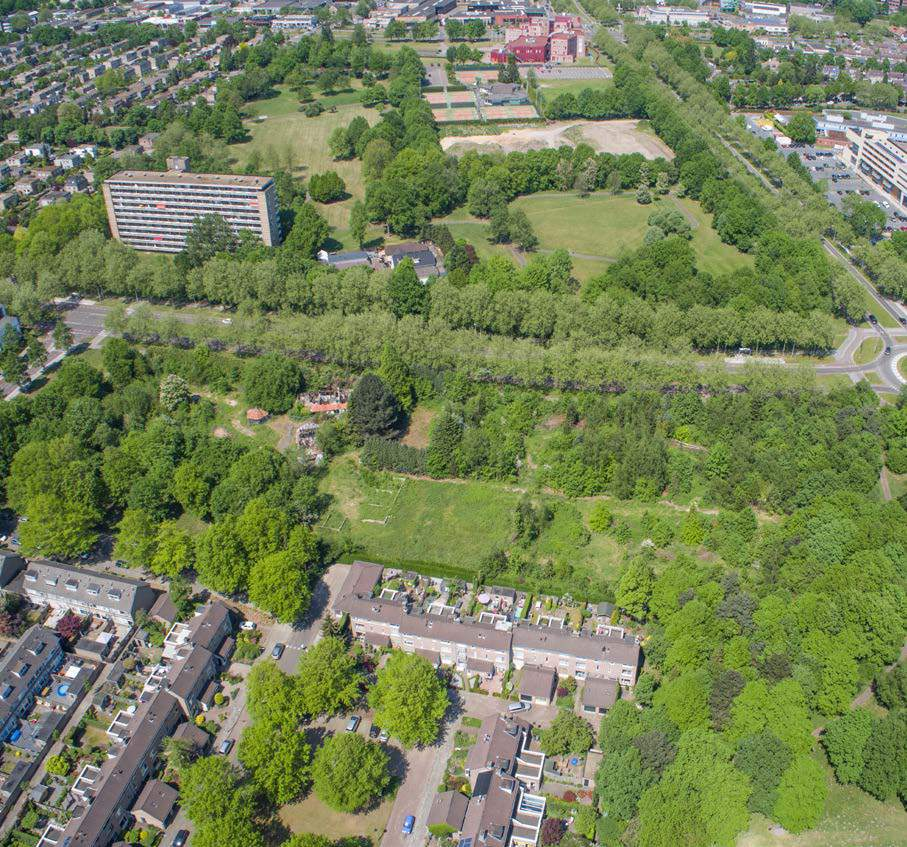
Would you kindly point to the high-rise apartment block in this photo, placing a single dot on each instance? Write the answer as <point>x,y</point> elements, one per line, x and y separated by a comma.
<point>153,210</point>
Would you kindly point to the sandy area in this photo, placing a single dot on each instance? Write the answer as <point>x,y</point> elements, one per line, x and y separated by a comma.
<point>603,136</point>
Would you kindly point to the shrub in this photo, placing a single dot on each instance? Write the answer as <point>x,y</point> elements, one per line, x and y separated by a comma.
<point>553,830</point>
<point>327,187</point>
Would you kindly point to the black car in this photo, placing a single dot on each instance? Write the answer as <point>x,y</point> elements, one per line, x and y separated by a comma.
<point>873,319</point>
<point>180,838</point>
<point>373,731</point>
<point>888,350</point>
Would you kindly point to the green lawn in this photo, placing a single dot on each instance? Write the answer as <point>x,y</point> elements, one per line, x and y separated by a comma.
<point>287,136</point>
<point>552,87</point>
<point>449,526</point>
<point>311,815</point>
<point>868,350</point>
<point>852,819</point>
<point>599,228</point>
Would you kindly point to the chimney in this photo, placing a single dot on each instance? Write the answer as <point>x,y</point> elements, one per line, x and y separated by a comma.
<point>178,163</point>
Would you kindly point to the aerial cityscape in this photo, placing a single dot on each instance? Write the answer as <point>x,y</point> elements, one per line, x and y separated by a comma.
<point>453,423</point>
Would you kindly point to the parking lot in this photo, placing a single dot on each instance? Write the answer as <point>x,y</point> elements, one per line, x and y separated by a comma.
<point>840,181</point>
<point>567,72</point>
<point>824,165</point>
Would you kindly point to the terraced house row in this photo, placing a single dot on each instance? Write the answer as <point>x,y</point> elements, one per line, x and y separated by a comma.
<point>478,647</point>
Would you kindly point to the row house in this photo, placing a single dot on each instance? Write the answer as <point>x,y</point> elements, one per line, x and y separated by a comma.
<point>25,670</point>
<point>112,789</point>
<point>467,645</point>
<point>85,592</point>
<point>502,771</point>
<point>579,655</point>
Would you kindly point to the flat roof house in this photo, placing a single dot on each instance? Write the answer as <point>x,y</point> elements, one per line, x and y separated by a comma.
<point>86,592</point>
<point>151,210</point>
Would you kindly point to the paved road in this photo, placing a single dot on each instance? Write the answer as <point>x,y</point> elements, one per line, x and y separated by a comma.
<point>426,766</point>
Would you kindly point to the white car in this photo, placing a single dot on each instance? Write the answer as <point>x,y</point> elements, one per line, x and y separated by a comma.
<point>248,626</point>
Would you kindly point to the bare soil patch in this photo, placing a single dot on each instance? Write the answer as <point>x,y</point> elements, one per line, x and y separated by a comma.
<point>623,136</point>
<point>419,423</point>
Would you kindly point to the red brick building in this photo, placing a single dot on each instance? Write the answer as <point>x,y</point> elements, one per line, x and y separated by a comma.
<point>533,39</point>
<point>526,49</point>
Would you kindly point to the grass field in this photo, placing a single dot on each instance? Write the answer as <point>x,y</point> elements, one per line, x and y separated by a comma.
<point>868,351</point>
<point>852,819</point>
<point>455,523</point>
<point>287,134</point>
<point>311,815</point>
<point>599,228</point>
<point>552,87</point>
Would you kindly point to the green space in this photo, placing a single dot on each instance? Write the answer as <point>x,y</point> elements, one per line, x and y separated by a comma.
<point>453,524</point>
<point>868,350</point>
<point>312,815</point>
<point>552,87</point>
<point>599,228</point>
<point>852,819</point>
<point>287,137</point>
<point>902,367</point>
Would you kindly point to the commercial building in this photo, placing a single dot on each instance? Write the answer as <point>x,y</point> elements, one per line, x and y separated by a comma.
<point>155,211</point>
<point>676,15</point>
<point>481,647</point>
<point>25,669</point>
<point>60,586</point>
<point>881,160</point>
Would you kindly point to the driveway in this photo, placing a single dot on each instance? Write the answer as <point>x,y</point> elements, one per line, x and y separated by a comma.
<point>426,766</point>
<point>424,771</point>
<point>297,639</point>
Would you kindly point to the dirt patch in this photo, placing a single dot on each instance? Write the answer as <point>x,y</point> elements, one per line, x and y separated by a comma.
<point>419,424</point>
<point>243,429</point>
<point>604,136</point>
<point>554,422</point>
<point>220,432</point>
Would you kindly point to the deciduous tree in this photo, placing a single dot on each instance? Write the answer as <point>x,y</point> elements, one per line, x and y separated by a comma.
<point>409,699</point>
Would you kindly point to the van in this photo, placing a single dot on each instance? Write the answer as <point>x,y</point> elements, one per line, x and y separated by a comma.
<point>519,707</point>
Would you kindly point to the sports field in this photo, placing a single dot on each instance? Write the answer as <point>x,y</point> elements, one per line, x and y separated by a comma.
<point>597,228</point>
<point>453,524</point>
<point>287,135</point>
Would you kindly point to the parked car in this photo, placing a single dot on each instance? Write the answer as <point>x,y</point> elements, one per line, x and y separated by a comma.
<point>225,746</point>
<point>408,825</point>
<point>383,737</point>
<point>519,707</point>
<point>247,626</point>
<point>373,731</point>
<point>180,838</point>
<point>353,723</point>
<point>277,652</point>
